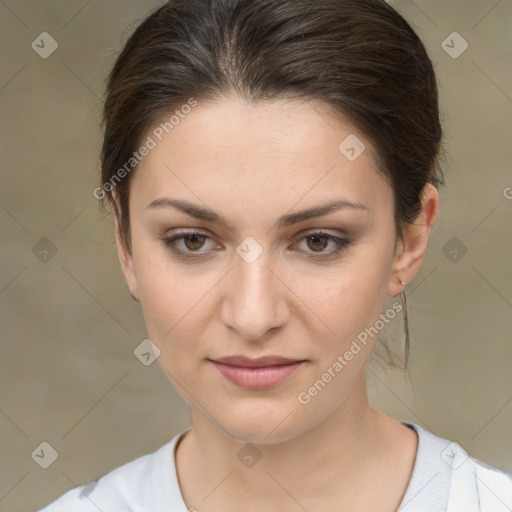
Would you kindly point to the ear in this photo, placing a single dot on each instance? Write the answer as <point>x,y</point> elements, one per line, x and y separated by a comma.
<point>124,254</point>
<point>411,252</point>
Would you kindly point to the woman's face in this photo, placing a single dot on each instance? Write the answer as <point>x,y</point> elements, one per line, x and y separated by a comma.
<point>260,284</point>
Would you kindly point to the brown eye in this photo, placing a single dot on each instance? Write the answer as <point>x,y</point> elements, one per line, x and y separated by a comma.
<point>194,241</point>
<point>187,245</point>
<point>319,242</point>
<point>316,243</point>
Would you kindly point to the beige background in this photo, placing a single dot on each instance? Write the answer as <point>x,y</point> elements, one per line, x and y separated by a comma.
<point>68,373</point>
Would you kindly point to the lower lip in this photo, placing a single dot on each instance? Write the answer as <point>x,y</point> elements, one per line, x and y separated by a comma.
<point>257,378</point>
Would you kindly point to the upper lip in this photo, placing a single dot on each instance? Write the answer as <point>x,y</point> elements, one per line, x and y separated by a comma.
<point>247,362</point>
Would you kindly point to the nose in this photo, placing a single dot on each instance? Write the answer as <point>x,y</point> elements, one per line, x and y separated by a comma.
<point>255,298</point>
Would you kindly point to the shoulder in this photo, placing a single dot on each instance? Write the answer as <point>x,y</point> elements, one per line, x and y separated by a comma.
<point>467,483</point>
<point>474,482</point>
<point>148,481</point>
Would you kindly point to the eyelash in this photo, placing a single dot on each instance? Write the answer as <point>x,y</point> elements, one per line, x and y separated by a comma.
<point>341,244</point>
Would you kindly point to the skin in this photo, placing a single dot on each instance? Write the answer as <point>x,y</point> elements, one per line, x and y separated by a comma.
<point>251,163</point>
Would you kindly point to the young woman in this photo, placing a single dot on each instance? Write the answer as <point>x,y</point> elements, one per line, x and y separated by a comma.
<point>273,168</point>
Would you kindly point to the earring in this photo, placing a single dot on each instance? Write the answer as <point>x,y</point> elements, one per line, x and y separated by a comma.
<point>406,326</point>
<point>402,283</point>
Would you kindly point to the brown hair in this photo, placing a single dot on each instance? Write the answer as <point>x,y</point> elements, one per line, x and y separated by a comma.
<point>359,57</point>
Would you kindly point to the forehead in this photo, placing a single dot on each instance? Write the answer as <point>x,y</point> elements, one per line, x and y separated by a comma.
<point>266,154</point>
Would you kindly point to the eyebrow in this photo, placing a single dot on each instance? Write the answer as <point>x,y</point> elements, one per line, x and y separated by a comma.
<point>288,219</point>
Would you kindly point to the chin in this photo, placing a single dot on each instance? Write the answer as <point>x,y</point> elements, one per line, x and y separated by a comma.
<point>260,424</point>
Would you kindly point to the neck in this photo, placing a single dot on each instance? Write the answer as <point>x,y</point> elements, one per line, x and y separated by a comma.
<point>345,449</point>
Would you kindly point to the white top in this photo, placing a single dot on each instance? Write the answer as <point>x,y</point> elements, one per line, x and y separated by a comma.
<point>444,478</point>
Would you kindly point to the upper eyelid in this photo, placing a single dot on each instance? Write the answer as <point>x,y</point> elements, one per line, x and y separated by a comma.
<point>302,234</point>
<point>180,235</point>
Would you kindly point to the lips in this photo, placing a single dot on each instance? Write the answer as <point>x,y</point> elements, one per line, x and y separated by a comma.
<point>259,362</point>
<point>256,374</point>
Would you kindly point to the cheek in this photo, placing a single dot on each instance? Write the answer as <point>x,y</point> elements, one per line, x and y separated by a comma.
<point>343,303</point>
<point>164,292</point>
<point>172,314</point>
<point>177,312</point>
<point>172,307</point>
